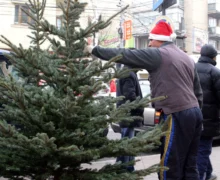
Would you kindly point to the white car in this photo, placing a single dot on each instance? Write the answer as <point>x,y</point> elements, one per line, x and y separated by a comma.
<point>103,92</point>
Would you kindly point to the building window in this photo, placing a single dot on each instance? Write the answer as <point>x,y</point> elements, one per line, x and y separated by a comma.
<point>181,3</point>
<point>214,43</point>
<point>211,7</point>
<point>212,22</point>
<point>211,1</point>
<point>59,22</point>
<point>20,16</point>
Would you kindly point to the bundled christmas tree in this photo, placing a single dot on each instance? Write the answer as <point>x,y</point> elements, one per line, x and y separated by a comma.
<point>49,129</point>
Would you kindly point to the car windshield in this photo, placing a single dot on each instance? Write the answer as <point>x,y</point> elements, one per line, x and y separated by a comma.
<point>145,87</point>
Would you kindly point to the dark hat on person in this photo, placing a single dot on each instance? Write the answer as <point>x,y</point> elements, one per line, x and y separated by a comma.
<point>209,51</point>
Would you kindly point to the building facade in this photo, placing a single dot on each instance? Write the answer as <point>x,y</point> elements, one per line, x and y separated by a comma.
<point>196,25</point>
<point>15,27</point>
<point>214,23</point>
<point>144,17</point>
<point>108,37</point>
<point>14,22</point>
<point>195,22</point>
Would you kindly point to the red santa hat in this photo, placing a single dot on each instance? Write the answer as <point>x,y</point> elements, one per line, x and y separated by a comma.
<point>162,32</point>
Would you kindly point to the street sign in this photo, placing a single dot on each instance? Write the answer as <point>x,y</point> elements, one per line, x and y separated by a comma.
<point>157,4</point>
<point>127,30</point>
<point>167,4</point>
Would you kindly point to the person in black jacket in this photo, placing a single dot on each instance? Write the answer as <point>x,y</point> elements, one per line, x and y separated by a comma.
<point>129,87</point>
<point>210,82</point>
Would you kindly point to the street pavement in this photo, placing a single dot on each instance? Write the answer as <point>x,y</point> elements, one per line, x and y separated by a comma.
<point>149,160</point>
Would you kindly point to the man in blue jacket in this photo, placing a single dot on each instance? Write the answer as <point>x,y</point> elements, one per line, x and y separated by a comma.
<point>129,87</point>
<point>210,82</point>
<point>172,74</point>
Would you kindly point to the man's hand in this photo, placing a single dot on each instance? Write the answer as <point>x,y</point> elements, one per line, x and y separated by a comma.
<point>88,49</point>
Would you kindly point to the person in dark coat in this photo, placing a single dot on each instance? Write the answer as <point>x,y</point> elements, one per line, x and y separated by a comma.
<point>129,87</point>
<point>210,82</point>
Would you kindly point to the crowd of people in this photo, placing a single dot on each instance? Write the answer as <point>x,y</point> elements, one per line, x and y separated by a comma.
<point>193,96</point>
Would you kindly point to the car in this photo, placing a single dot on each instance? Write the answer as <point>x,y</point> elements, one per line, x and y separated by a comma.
<point>151,116</point>
<point>4,63</point>
<point>105,91</point>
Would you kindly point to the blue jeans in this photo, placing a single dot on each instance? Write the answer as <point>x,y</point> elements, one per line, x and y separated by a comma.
<point>203,159</point>
<point>126,132</point>
<point>209,170</point>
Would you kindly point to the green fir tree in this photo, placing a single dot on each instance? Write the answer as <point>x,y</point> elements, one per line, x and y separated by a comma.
<point>49,131</point>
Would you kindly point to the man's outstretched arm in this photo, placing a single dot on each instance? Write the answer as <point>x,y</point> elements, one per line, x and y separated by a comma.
<point>149,59</point>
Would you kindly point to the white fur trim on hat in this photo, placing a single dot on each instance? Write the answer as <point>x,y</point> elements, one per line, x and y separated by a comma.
<point>173,36</point>
<point>162,37</point>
